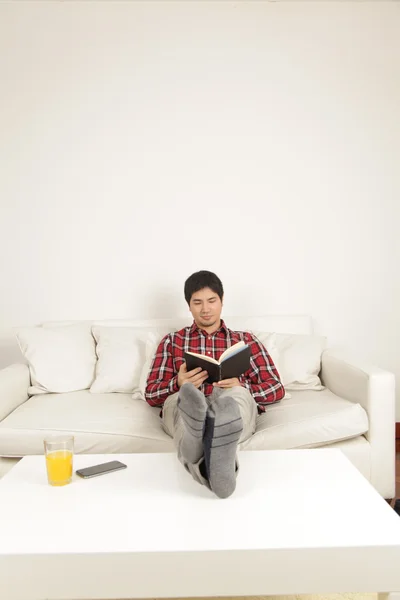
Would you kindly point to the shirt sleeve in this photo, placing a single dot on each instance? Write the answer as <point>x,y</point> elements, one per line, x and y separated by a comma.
<point>262,379</point>
<point>162,380</point>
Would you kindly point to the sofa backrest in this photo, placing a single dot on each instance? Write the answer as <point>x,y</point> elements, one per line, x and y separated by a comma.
<point>115,355</point>
<point>299,324</point>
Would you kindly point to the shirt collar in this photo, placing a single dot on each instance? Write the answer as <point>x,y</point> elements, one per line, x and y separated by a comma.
<point>194,328</point>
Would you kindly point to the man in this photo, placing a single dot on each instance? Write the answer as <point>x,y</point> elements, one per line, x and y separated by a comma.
<point>208,421</point>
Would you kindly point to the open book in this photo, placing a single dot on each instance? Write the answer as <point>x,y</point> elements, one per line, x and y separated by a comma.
<point>232,363</point>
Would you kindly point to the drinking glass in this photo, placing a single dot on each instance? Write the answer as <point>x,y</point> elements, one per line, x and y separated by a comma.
<point>59,452</point>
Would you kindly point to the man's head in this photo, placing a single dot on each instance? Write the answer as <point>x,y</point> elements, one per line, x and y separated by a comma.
<point>204,294</point>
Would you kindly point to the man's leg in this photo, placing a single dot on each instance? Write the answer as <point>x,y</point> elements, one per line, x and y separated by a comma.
<point>231,418</point>
<point>182,417</point>
<point>192,407</point>
<point>247,407</point>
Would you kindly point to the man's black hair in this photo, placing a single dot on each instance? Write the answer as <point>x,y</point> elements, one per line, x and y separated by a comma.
<point>200,280</point>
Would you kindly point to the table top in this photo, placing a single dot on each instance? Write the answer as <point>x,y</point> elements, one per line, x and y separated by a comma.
<point>285,499</point>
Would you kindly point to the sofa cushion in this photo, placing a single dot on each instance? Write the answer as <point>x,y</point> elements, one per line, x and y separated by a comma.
<point>122,357</point>
<point>300,360</point>
<point>101,423</point>
<point>121,353</point>
<point>296,355</point>
<point>308,419</point>
<point>152,342</point>
<point>112,423</point>
<point>297,358</point>
<point>61,359</point>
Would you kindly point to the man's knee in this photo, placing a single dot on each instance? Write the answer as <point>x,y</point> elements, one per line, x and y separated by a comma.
<point>241,394</point>
<point>169,414</point>
<point>247,407</point>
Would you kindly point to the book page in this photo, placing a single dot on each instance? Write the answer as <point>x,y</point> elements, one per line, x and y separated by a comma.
<point>232,350</point>
<point>204,357</point>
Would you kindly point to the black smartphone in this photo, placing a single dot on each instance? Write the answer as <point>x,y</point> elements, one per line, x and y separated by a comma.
<point>108,467</point>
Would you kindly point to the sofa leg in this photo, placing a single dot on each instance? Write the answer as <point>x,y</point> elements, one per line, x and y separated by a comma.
<point>389,501</point>
<point>397,507</point>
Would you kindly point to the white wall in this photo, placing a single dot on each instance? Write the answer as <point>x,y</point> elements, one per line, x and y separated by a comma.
<point>142,141</point>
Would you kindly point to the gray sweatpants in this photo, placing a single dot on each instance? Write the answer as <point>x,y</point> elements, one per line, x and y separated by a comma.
<point>173,425</point>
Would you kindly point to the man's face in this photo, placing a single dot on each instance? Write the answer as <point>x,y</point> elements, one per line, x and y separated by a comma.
<point>206,306</point>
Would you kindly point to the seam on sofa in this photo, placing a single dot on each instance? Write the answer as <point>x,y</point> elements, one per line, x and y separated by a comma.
<point>326,444</point>
<point>139,437</point>
<point>314,418</point>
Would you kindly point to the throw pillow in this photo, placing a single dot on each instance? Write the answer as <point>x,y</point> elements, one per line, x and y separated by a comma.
<point>268,340</point>
<point>60,359</point>
<point>300,360</point>
<point>121,353</point>
<point>152,342</point>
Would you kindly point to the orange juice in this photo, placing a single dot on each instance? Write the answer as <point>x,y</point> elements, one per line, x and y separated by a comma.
<point>59,467</point>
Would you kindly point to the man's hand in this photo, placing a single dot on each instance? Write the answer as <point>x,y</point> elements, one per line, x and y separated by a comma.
<point>227,383</point>
<point>196,376</point>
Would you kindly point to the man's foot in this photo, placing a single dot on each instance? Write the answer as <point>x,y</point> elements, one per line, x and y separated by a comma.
<point>192,408</point>
<point>222,432</point>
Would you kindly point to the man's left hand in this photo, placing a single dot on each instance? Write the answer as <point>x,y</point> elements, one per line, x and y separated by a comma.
<point>227,383</point>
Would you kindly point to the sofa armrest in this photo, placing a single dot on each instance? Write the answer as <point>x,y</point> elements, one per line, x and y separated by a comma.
<point>14,384</point>
<point>374,390</point>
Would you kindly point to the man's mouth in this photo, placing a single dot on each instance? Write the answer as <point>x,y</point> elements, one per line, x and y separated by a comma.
<point>206,317</point>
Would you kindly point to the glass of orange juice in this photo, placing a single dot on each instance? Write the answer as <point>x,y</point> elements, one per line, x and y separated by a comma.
<point>59,452</point>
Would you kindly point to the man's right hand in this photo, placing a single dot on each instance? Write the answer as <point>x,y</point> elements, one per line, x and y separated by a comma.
<point>196,376</point>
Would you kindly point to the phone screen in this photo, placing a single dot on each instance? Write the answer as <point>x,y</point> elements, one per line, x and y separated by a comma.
<point>114,465</point>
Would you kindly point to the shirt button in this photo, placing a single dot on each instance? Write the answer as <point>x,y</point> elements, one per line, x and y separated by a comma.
<point>208,352</point>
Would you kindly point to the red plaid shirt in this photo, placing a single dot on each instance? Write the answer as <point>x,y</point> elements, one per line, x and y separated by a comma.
<point>262,379</point>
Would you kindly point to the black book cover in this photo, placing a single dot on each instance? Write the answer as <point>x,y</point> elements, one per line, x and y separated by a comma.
<point>233,366</point>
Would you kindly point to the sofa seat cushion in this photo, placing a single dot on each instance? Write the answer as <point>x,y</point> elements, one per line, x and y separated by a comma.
<point>308,419</point>
<point>101,424</point>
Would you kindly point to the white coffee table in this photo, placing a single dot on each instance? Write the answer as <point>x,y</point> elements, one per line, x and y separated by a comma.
<point>300,521</point>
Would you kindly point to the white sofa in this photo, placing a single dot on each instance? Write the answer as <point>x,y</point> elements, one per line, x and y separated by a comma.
<point>331,401</point>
